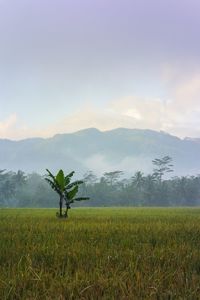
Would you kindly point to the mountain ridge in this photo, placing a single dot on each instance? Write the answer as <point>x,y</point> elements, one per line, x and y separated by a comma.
<point>101,151</point>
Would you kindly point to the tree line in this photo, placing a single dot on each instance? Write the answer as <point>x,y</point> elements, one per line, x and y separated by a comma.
<point>160,188</point>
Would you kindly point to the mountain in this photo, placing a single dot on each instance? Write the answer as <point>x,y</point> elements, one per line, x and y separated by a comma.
<point>197,140</point>
<point>90,149</point>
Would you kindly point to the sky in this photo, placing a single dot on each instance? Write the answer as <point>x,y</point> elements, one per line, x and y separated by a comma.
<point>67,65</point>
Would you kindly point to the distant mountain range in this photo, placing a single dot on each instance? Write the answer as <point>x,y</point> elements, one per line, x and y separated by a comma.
<point>123,149</point>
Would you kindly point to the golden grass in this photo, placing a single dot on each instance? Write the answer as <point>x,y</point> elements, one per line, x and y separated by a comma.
<point>105,253</point>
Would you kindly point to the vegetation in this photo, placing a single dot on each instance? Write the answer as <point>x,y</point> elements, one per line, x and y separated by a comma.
<point>111,189</point>
<point>10,184</point>
<point>162,166</point>
<point>126,253</point>
<point>107,253</point>
<point>65,189</point>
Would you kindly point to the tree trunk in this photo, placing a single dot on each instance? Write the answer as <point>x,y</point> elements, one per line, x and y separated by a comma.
<point>66,213</point>
<point>61,204</point>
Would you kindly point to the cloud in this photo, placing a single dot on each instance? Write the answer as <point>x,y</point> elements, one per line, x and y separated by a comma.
<point>178,114</point>
<point>184,110</point>
<point>7,125</point>
<point>140,112</point>
<point>14,128</point>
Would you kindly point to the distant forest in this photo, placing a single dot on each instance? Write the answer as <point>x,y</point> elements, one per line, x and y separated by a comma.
<point>160,188</point>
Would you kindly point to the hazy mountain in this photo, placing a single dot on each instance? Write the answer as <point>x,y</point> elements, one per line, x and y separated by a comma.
<point>197,140</point>
<point>90,149</point>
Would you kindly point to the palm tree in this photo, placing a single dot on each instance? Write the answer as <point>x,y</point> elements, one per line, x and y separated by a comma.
<point>66,190</point>
<point>138,180</point>
<point>149,188</point>
<point>162,166</point>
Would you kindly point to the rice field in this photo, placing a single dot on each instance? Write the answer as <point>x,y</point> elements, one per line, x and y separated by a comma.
<point>100,253</point>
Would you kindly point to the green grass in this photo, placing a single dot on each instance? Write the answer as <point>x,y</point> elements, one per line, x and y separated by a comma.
<point>105,253</point>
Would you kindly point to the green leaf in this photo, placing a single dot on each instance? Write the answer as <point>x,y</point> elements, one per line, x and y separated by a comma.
<point>50,174</point>
<point>81,198</point>
<point>60,178</point>
<point>53,185</point>
<point>68,178</point>
<point>71,194</point>
<point>75,183</point>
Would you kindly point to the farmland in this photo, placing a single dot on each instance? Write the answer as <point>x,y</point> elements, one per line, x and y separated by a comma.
<point>100,253</point>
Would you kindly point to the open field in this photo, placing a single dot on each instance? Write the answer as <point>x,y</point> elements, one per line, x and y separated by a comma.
<point>105,253</point>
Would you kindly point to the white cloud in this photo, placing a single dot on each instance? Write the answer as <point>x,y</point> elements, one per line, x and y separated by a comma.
<point>7,125</point>
<point>179,114</point>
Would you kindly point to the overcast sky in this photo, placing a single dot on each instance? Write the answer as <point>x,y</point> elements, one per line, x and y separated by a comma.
<point>67,65</point>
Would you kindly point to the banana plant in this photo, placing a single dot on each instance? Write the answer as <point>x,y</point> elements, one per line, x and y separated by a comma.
<point>66,190</point>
